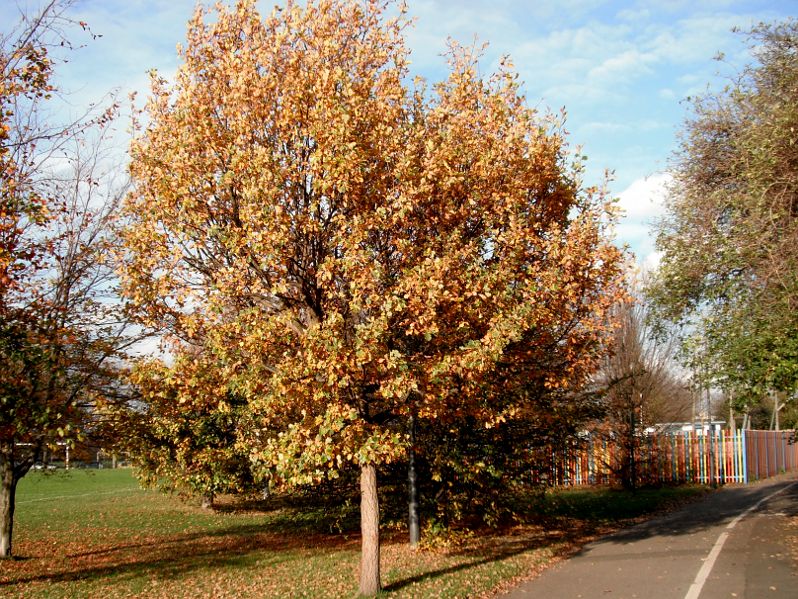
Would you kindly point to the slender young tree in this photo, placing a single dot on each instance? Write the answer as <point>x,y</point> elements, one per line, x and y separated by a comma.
<point>358,254</point>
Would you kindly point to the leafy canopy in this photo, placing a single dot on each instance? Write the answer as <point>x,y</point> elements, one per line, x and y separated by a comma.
<point>353,250</point>
<point>730,239</point>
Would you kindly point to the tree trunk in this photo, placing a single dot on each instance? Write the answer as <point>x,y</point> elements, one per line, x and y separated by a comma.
<point>370,532</point>
<point>630,481</point>
<point>8,488</point>
<point>412,488</point>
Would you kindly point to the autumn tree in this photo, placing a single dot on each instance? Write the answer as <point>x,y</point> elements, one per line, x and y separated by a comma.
<point>730,235</point>
<point>357,253</point>
<point>60,334</point>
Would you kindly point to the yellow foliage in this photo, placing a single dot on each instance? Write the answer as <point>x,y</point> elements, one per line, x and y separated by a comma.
<point>356,247</point>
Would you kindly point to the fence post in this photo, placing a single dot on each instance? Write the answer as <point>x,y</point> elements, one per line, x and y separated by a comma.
<point>702,463</point>
<point>743,457</point>
<point>783,453</point>
<point>674,461</point>
<point>723,454</point>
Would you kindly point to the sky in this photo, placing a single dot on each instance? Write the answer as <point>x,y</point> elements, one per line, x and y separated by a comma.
<point>622,70</point>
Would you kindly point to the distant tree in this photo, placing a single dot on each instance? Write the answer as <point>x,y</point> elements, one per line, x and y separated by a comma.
<point>639,378</point>
<point>60,332</point>
<point>773,411</point>
<point>730,238</point>
<point>360,254</point>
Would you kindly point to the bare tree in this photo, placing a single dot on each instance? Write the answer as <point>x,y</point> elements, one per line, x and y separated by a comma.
<point>640,379</point>
<point>62,332</point>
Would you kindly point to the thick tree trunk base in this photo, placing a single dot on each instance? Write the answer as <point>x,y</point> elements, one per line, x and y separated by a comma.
<point>8,487</point>
<point>370,531</point>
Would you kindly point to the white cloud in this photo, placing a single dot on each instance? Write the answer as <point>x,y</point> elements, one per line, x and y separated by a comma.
<point>621,67</point>
<point>633,15</point>
<point>651,261</point>
<point>692,39</point>
<point>645,198</point>
<point>625,126</point>
<point>632,233</point>
<point>608,127</point>
<point>436,21</point>
<point>643,202</point>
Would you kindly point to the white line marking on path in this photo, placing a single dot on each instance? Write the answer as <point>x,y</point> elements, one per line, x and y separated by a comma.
<point>695,589</point>
<point>81,495</point>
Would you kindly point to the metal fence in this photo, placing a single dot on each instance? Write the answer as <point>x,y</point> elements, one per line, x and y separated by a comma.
<point>719,457</point>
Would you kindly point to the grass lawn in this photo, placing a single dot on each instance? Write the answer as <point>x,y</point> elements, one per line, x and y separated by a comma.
<point>96,534</point>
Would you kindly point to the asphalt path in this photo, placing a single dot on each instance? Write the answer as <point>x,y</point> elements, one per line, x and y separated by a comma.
<point>733,543</point>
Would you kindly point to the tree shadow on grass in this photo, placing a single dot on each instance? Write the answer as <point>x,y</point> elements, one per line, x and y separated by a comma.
<point>287,537</point>
<point>237,547</point>
<point>247,533</point>
<point>496,546</point>
<point>418,578</point>
<point>487,557</point>
<point>300,515</point>
<point>174,555</point>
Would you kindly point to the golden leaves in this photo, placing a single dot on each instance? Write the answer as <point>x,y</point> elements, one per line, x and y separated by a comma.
<point>348,245</point>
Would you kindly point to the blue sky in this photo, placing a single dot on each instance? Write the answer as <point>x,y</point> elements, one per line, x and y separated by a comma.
<point>620,69</point>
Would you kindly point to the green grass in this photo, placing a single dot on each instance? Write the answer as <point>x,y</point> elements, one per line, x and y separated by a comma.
<point>96,534</point>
